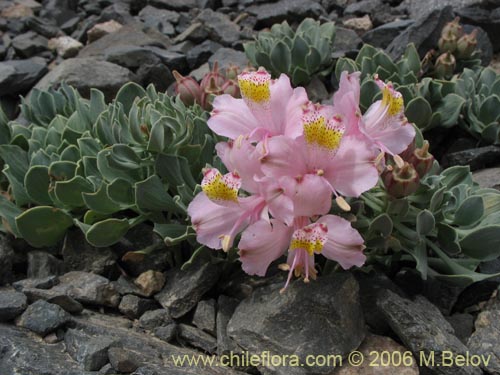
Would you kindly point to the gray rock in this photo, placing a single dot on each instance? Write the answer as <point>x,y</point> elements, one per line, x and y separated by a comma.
<point>42,26</point>
<point>125,285</point>
<point>161,19</point>
<point>12,304</point>
<point>420,8</point>
<point>383,35</point>
<point>175,4</point>
<point>133,306</point>
<point>424,33</point>
<point>42,264</point>
<point>29,44</point>
<point>43,283</point>
<point>487,178</point>
<point>195,33</point>
<point>19,76</point>
<point>197,338</point>
<point>90,351</point>
<point>166,333</point>
<point>43,317</point>
<point>155,318</point>
<point>21,354</point>
<point>70,25</point>
<point>220,28</point>
<point>131,57</point>
<point>101,261</point>
<point>476,158</point>
<point>487,19</point>
<point>87,73</point>
<point>227,56</point>
<point>422,329</point>
<point>184,289</point>
<point>225,310</point>
<point>55,296</point>
<point>201,53</point>
<point>271,13</point>
<point>281,322</point>
<point>124,360</point>
<point>204,316</point>
<point>362,7</point>
<point>484,46</point>
<point>463,325</point>
<point>6,256</point>
<point>346,40</point>
<point>486,339</point>
<point>107,370</point>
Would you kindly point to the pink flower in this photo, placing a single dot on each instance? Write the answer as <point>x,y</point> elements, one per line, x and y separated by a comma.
<point>267,108</point>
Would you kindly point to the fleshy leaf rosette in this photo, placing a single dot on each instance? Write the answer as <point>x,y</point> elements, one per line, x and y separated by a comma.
<point>286,159</point>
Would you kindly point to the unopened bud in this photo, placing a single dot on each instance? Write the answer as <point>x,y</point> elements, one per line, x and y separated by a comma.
<point>231,88</point>
<point>466,45</point>
<point>453,28</point>
<point>215,76</point>
<point>445,65</point>
<point>187,88</point>
<point>447,43</point>
<point>406,154</point>
<point>401,182</point>
<point>422,160</point>
<point>232,72</point>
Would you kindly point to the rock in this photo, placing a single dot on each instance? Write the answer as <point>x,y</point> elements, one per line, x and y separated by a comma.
<point>487,19</point>
<point>359,23</point>
<point>220,28</point>
<point>125,285</point>
<point>6,251</point>
<point>175,4</point>
<point>17,11</point>
<point>57,297</point>
<point>155,318</point>
<point>21,354</point>
<point>316,90</point>
<point>43,317</point>
<point>228,56</point>
<point>424,33</point>
<point>29,44</point>
<point>487,178</point>
<point>271,13</point>
<point>184,289</point>
<point>12,304</point>
<point>59,10</point>
<point>133,306</point>
<point>42,27</point>
<point>160,19</point>
<point>201,53</point>
<point>195,32</point>
<point>422,329</point>
<point>380,344</point>
<point>362,7</point>
<point>420,8</point>
<point>102,29</point>
<point>226,306</point>
<point>87,73</point>
<point>281,322</point>
<point>166,333</point>
<point>485,339</point>
<point>65,46</point>
<point>124,360</point>
<point>43,283</point>
<point>70,25</point>
<point>463,325</point>
<point>128,35</point>
<point>34,5</point>
<point>476,158</point>
<point>107,370</point>
<point>42,264</point>
<point>101,261</point>
<point>131,57</point>
<point>345,40</point>
<point>197,338</point>
<point>150,282</point>
<point>90,351</point>
<point>383,35</point>
<point>204,316</point>
<point>18,76</point>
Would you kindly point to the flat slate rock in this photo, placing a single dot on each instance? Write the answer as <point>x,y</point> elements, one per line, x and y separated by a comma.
<point>318,318</point>
<point>486,339</point>
<point>43,318</point>
<point>12,304</point>
<point>90,351</point>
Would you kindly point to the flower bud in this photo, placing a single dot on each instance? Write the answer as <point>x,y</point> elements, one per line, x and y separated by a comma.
<point>466,45</point>
<point>447,43</point>
<point>422,160</point>
<point>231,88</point>
<point>209,93</point>
<point>214,75</point>
<point>187,88</point>
<point>401,182</point>
<point>232,72</point>
<point>445,65</point>
<point>406,154</point>
<point>453,28</point>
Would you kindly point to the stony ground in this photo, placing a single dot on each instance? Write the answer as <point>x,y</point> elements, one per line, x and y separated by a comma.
<point>65,313</point>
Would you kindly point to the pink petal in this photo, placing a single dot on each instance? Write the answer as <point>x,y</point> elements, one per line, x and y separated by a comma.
<point>346,100</point>
<point>284,158</point>
<point>262,243</point>
<point>211,221</point>
<point>231,117</point>
<point>352,171</point>
<point>280,205</point>
<point>344,244</point>
<point>311,195</point>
